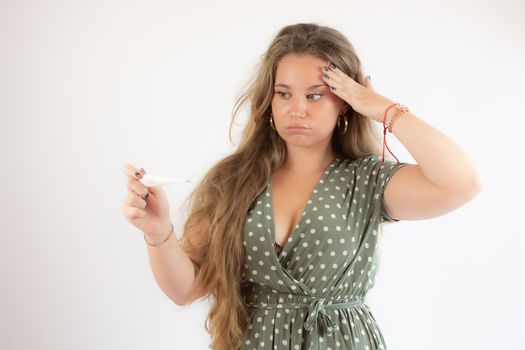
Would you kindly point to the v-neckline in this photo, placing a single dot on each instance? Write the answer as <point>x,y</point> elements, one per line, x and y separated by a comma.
<point>320,181</point>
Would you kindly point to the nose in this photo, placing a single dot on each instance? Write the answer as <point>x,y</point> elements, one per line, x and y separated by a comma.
<point>299,107</point>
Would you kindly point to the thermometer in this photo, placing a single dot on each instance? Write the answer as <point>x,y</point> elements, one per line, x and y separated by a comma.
<point>153,180</point>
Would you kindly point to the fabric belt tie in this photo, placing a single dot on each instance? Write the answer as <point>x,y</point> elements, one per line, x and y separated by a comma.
<point>317,313</point>
<point>317,316</point>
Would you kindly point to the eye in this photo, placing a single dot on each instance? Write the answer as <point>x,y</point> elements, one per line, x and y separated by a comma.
<point>316,95</point>
<point>282,92</point>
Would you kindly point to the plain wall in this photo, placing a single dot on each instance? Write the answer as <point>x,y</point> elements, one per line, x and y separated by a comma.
<point>88,86</point>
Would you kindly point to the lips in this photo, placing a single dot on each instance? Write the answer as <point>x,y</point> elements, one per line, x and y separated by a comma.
<point>297,126</point>
<point>298,129</point>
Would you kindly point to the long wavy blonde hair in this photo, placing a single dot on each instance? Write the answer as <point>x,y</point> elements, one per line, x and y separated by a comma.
<point>213,231</point>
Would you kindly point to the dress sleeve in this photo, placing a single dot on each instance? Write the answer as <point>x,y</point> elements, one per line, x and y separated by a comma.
<point>376,176</point>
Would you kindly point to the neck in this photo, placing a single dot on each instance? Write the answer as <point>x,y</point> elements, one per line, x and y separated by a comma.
<point>305,161</point>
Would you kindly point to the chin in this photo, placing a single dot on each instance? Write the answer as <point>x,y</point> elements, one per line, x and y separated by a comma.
<point>299,141</point>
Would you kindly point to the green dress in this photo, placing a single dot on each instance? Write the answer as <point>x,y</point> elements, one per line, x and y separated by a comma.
<point>311,295</point>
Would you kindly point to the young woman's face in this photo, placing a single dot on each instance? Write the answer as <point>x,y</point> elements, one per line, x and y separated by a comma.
<point>302,98</point>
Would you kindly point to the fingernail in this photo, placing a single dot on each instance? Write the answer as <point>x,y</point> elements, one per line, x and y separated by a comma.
<point>333,66</point>
<point>137,175</point>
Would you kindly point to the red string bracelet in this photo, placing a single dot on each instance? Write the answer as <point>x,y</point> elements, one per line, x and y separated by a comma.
<point>384,134</point>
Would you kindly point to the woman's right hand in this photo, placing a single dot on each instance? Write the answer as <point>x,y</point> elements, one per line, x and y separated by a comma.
<point>151,213</point>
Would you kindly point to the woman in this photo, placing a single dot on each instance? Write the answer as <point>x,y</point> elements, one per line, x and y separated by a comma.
<point>283,232</point>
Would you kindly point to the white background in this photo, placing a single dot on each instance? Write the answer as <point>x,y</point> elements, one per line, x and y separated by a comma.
<point>88,86</point>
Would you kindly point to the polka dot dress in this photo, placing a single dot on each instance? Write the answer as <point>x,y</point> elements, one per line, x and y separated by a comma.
<point>309,294</point>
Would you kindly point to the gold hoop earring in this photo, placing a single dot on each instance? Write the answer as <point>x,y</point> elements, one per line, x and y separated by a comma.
<point>346,123</point>
<point>272,124</point>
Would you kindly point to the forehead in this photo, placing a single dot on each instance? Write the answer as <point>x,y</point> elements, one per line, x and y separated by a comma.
<point>300,71</point>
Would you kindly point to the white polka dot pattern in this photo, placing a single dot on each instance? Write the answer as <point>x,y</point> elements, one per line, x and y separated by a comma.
<point>330,258</point>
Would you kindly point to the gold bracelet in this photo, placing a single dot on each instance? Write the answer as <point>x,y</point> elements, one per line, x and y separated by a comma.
<point>399,112</point>
<point>156,244</point>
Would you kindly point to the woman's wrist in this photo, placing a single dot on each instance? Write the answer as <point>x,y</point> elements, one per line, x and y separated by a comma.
<point>399,112</point>
<point>158,239</point>
<point>391,113</point>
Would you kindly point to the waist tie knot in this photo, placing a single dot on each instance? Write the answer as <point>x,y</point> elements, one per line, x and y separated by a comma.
<point>317,313</point>
<point>316,316</point>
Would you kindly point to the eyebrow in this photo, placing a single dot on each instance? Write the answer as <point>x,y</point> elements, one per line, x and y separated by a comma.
<point>311,87</point>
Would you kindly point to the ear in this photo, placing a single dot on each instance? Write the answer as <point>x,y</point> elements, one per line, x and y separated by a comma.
<point>345,108</point>
<point>368,84</point>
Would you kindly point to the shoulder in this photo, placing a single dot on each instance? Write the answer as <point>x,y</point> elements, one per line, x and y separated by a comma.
<point>358,163</point>
<point>374,163</point>
<point>370,167</point>
<point>350,170</point>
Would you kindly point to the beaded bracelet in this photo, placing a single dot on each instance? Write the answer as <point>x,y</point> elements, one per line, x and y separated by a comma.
<point>402,110</point>
<point>156,244</point>
<point>399,112</point>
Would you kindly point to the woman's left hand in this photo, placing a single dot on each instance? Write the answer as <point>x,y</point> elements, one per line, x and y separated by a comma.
<point>362,98</point>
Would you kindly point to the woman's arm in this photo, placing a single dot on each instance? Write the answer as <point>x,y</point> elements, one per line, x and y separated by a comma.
<point>173,270</point>
<point>442,180</point>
